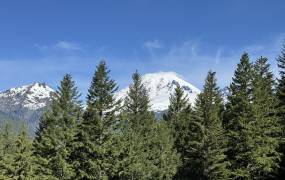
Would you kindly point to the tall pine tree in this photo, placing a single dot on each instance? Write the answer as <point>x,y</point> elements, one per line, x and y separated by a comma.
<point>266,124</point>
<point>21,163</point>
<point>177,118</point>
<point>281,106</point>
<point>53,141</point>
<point>207,136</point>
<point>95,151</point>
<point>149,152</point>
<point>239,119</point>
<point>137,104</point>
<point>7,149</point>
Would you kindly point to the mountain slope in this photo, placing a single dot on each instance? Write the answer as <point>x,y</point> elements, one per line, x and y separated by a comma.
<point>26,103</point>
<point>160,85</point>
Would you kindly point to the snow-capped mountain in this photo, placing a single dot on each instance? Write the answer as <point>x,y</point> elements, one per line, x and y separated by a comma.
<point>160,85</point>
<point>33,97</point>
<point>26,103</point>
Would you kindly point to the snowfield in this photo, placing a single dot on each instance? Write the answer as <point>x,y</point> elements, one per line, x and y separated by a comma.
<point>160,85</point>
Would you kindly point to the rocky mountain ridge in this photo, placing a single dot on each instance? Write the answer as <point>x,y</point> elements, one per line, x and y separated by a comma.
<point>26,103</point>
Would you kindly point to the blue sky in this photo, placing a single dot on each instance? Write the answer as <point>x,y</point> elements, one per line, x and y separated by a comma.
<point>41,40</point>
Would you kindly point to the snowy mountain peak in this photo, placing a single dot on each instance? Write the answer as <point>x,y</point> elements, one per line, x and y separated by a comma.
<point>33,96</point>
<point>160,85</point>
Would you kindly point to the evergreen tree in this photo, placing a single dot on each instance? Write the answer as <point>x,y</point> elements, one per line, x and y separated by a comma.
<point>149,152</point>
<point>6,140</point>
<point>207,136</point>
<point>53,141</point>
<point>266,124</point>
<point>95,151</point>
<point>177,118</point>
<point>137,104</point>
<point>137,119</point>
<point>281,107</point>
<point>21,163</point>
<point>239,119</point>
<point>7,148</point>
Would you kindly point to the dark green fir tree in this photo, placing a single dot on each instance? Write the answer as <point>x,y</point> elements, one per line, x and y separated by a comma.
<point>95,151</point>
<point>177,118</point>
<point>149,152</point>
<point>266,125</point>
<point>207,137</point>
<point>239,119</point>
<point>7,150</point>
<point>53,143</point>
<point>137,104</point>
<point>281,108</point>
<point>22,164</point>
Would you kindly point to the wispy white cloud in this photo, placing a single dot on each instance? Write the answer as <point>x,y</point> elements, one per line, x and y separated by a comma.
<point>67,45</point>
<point>154,44</point>
<point>60,45</point>
<point>193,59</point>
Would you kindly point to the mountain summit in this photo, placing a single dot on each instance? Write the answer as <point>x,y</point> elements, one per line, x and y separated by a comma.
<point>32,97</point>
<point>160,85</point>
<point>26,103</point>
